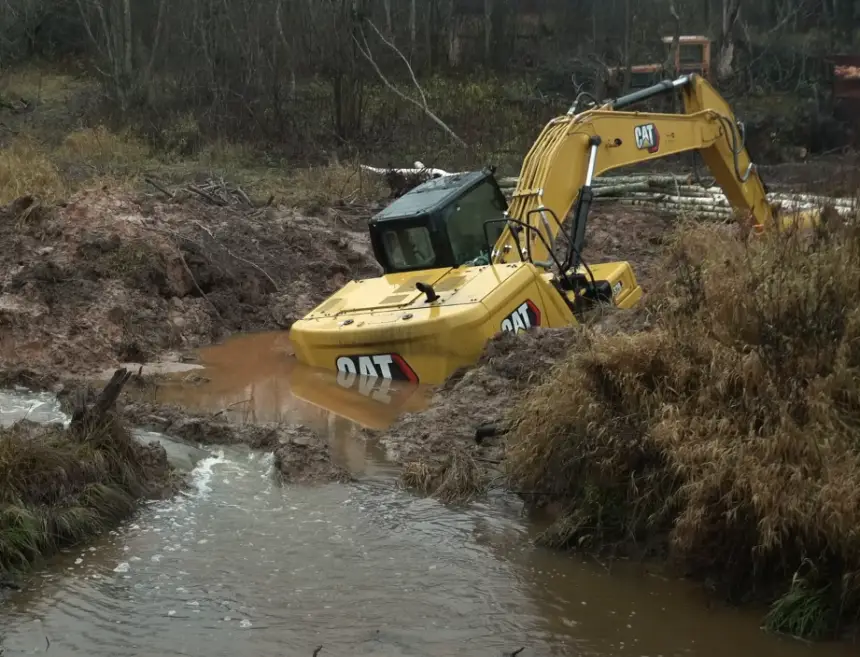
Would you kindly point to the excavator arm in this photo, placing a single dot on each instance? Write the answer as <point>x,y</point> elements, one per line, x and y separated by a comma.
<point>574,149</point>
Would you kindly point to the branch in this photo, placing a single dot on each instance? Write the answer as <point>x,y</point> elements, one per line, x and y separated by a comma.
<point>422,105</point>
<point>156,39</point>
<point>402,56</point>
<point>676,39</point>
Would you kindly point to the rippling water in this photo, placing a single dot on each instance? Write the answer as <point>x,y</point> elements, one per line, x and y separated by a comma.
<point>240,565</point>
<point>246,565</point>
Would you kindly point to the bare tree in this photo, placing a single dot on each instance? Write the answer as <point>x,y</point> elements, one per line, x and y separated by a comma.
<point>726,56</point>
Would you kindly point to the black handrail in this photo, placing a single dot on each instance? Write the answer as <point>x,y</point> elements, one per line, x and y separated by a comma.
<point>528,228</point>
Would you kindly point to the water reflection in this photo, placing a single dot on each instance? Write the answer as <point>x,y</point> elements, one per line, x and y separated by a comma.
<point>255,378</point>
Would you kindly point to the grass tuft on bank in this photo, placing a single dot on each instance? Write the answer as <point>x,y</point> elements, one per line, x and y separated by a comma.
<point>727,438</point>
<point>60,486</point>
<point>455,480</point>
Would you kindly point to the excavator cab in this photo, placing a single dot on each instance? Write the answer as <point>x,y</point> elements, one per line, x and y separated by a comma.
<point>440,224</point>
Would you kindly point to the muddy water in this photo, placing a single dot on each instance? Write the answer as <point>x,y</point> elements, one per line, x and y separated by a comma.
<point>255,378</point>
<point>243,566</point>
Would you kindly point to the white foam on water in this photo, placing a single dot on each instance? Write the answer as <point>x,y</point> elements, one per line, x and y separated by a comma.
<point>40,407</point>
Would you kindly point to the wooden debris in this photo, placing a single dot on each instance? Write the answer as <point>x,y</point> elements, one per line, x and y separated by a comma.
<point>213,191</point>
<point>90,419</point>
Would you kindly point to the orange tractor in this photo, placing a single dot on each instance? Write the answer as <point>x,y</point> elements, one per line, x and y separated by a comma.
<point>692,56</point>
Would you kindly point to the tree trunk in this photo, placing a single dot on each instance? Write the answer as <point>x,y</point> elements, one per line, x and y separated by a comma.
<point>389,26</point>
<point>413,24</point>
<point>627,28</point>
<point>725,59</point>
<point>488,31</point>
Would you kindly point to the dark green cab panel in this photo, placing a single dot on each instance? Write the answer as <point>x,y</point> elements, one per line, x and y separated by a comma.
<point>440,223</point>
<point>429,196</point>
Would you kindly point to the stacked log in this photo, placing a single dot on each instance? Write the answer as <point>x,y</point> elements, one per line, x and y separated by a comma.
<point>675,194</point>
<point>681,195</point>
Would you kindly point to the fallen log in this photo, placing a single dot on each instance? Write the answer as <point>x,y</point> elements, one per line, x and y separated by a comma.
<point>668,206</point>
<point>418,169</point>
<point>657,197</point>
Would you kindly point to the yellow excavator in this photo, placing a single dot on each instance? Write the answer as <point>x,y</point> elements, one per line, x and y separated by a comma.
<point>460,266</point>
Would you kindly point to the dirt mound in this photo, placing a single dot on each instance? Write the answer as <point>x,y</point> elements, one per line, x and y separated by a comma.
<point>635,235</point>
<point>108,278</point>
<point>199,428</point>
<point>304,458</point>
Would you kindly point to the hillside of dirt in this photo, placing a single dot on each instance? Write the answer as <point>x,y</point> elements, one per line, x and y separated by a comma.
<point>108,278</point>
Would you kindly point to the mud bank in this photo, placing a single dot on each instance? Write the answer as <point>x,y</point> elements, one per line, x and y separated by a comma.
<point>724,439</point>
<point>109,278</point>
<point>63,485</point>
<point>301,455</point>
<point>454,449</point>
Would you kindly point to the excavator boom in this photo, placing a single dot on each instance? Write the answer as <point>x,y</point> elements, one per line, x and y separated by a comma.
<point>574,149</point>
<point>460,265</point>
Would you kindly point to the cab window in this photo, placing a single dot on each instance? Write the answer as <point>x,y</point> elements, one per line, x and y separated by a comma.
<point>465,222</point>
<point>408,248</point>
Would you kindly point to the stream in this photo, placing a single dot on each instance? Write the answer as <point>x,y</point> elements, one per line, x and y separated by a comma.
<point>242,565</point>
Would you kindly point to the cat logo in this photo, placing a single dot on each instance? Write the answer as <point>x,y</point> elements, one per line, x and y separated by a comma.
<point>523,318</point>
<point>647,137</point>
<point>385,366</point>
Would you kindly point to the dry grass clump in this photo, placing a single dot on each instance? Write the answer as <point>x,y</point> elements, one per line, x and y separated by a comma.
<point>97,156</point>
<point>331,186</point>
<point>26,168</point>
<point>455,480</point>
<point>29,166</point>
<point>58,487</point>
<point>729,435</point>
<point>105,152</point>
<point>40,85</point>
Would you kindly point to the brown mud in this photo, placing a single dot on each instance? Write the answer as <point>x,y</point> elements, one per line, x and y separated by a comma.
<point>107,278</point>
<point>302,455</point>
<point>198,428</point>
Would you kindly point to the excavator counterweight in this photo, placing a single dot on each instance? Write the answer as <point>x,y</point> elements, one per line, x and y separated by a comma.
<point>460,265</point>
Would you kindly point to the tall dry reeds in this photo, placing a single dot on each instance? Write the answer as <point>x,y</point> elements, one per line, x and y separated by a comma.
<point>728,436</point>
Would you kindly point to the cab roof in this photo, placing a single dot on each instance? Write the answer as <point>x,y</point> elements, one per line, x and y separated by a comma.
<point>430,196</point>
